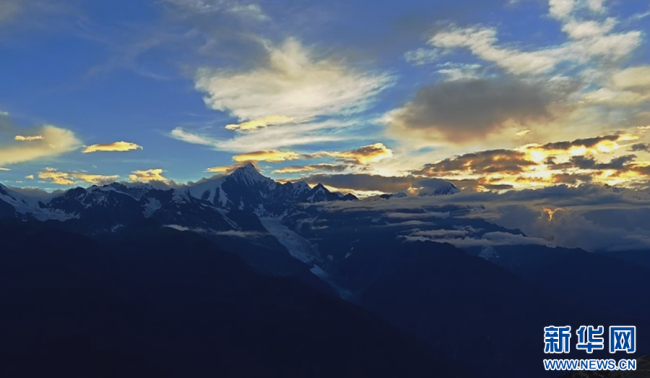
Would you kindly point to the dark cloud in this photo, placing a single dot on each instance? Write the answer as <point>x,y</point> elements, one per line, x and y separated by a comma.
<point>586,142</point>
<point>640,147</point>
<point>311,168</point>
<point>583,162</point>
<point>466,110</point>
<point>492,161</point>
<point>363,182</point>
<point>572,178</point>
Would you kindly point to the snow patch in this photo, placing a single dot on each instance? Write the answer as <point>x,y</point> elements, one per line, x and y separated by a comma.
<point>299,247</point>
<point>151,207</point>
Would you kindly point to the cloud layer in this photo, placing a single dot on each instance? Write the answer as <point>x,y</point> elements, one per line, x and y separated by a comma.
<point>112,147</point>
<point>466,110</point>
<point>44,142</point>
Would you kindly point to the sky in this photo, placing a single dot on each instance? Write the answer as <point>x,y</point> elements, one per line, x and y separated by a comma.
<point>363,96</point>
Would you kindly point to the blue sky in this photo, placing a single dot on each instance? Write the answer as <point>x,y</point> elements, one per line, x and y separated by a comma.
<point>477,92</point>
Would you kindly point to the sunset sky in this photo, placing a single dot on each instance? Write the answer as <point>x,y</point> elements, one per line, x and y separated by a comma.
<point>359,95</point>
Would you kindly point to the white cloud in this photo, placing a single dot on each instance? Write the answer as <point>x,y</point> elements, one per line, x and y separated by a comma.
<point>271,138</point>
<point>588,41</point>
<point>561,9</point>
<point>585,29</point>
<point>633,77</point>
<point>630,86</point>
<point>250,10</point>
<point>296,84</point>
<point>483,43</point>
<point>53,141</point>
<point>577,227</point>
<point>422,56</point>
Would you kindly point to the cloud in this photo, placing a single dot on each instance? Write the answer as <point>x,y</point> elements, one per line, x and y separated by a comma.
<point>227,168</point>
<point>147,175</point>
<point>632,78</point>
<point>270,156</point>
<point>295,84</point>
<point>362,182</point>
<point>482,42</point>
<point>533,165</point>
<point>5,169</point>
<point>599,218</point>
<point>312,168</point>
<point>362,155</point>
<point>561,9</point>
<point>55,141</point>
<point>588,41</point>
<point>29,177</point>
<point>492,161</point>
<point>207,7</point>
<point>21,138</point>
<point>260,123</point>
<point>9,9</point>
<point>460,111</point>
<point>74,178</point>
<point>271,138</point>
<point>112,147</point>
<point>487,239</point>
<point>627,87</point>
<point>640,147</point>
<point>422,56</point>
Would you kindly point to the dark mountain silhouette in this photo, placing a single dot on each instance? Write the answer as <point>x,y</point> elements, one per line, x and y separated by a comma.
<point>482,307</point>
<point>165,303</point>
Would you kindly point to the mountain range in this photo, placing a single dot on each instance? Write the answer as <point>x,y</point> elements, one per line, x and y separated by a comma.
<point>480,308</point>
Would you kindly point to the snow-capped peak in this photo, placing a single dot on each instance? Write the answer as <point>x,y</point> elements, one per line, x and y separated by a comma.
<point>249,174</point>
<point>438,187</point>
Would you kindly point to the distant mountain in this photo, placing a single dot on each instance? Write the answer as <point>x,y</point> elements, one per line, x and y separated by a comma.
<point>163,303</point>
<point>246,189</point>
<point>202,205</point>
<point>437,271</point>
<point>437,187</point>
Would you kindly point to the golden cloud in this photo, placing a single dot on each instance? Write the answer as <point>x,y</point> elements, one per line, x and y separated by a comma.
<point>569,163</point>
<point>363,155</point>
<point>311,168</point>
<point>55,141</point>
<point>260,123</point>
<point>147,175</point>
<point>112,147</point>
<point>28,138</point>
<point>270,156</point>
<point>226,168</point>
<point>73,178</point>
<point>222,169</point>
<point>29,177</point>
<point>551,212</point>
